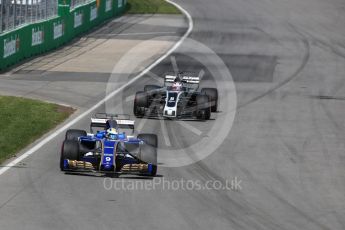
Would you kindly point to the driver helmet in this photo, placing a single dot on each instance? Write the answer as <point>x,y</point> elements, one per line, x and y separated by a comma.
<point>112,134</point>
<point>177,86</point>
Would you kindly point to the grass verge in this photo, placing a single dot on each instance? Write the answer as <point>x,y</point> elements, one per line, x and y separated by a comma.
<point>22,121</point>
<point>151,7</point>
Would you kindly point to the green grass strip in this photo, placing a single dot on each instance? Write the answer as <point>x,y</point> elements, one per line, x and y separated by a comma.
<point>151,7</point>
<point>22,121</point>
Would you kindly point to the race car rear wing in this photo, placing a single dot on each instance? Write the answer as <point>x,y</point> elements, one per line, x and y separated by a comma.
<point>100,121</point>
<point>189,80</point>
<point>112,116</point>
<point>185,79</point>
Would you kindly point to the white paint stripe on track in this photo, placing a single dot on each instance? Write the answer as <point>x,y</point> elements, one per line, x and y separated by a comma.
<point>174,64</point>
<point>130,98</point>
<point>165,132</point>
<point>156,77</point>
<point>109,96</point>
<point>190,127</point>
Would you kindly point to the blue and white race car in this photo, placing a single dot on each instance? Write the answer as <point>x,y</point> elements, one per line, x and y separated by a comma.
<point>109,150</point>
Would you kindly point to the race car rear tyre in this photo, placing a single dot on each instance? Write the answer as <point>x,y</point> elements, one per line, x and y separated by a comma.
<point>70,151</point>
<point>212,94</point>
<point>203,107</point>
<point>74,134</point>
<point>148,88</point>
<point>150,139</point>
<point>148,152</point>
<point>140,103</point>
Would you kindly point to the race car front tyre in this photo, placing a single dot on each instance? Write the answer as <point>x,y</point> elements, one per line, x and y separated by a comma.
<point>148,151</point>
<point>140,103</point>
<point>212,94</point>
<point>74,134</point>
<point>203,107</point>
<point>148,88</point>
<point>70,151</point>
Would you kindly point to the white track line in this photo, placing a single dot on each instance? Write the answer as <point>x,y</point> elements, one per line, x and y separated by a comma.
<point>201,74</point>
<point>190,127</point>
<point>141,124</point>
<point>130,98</point>
<point>174,64</point>
<point>156,77</point>
<point>109,96</point>
<point>165,132</point>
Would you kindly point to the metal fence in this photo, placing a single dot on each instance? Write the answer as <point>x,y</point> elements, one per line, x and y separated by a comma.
<point>76,3</point>
<point>14,13</point>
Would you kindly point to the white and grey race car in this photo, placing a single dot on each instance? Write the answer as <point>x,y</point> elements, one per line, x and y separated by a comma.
<point>178,98</point>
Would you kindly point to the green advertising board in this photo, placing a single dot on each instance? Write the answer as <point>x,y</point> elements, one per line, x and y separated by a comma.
<point>32,39</point>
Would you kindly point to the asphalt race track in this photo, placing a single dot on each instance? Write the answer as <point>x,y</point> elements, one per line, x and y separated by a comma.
<point>285,146</point>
